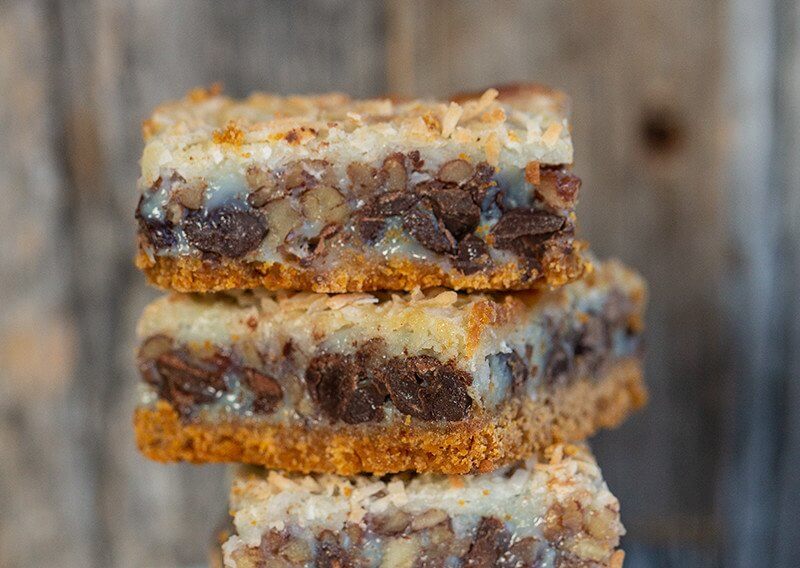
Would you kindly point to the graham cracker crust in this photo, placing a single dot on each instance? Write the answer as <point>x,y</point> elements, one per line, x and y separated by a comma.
<point>476,445</point>
<point>190,274</point>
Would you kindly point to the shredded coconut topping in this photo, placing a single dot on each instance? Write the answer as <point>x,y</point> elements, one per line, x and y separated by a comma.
<point>520,494</point>
<point>213,135</point>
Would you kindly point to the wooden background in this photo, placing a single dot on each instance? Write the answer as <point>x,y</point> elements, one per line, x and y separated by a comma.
<point>687,127</point>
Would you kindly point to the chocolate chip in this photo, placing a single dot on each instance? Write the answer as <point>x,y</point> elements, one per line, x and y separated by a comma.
<point>267,391</point>
<point>427,229</point>
<point>523,222</point>
<point>472,256</point>
<point>405,382</point>
<point>394,203</point>
<point>343,389</point>
<point>491,542</point>
<point>227,231</point>
<point>455,171</point>
<point>483,174</point>
<point>330,553</point>
<point>161,234</point>
<point>370,228</point>
<point>324,377</point>
<point>365,403</point>
<point>447,396</point>
<point>186,381</point>
<point>558,365</point>
<point>424,388</point>
<point>455,208</point>
<point>518,370</point>
<point>416,161</point>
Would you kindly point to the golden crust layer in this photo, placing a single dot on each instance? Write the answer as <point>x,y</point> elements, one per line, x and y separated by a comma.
<point>476,445</point>
<point>188,274</point>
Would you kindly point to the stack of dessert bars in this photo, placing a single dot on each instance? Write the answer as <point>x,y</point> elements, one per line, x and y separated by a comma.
<point>379,310</point>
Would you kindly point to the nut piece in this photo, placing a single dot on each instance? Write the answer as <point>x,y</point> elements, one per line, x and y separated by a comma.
<point>558,188</point>
<point>281,219</point>
<point>400,553</point>
<point>428,519</point>
<point>364,178</point>
<point>455,171</point>
<point>324,203</point>
<point>191,195</point>
<point>394,167</point>
<point>391,523</point>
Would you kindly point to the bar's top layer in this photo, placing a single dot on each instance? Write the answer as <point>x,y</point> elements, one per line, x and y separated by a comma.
<point>207,134</point>
<point>520,495</point>
<point>449,323</point>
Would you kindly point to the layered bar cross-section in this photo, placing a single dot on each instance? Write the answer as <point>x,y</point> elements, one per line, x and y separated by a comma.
<point>554,511</point>
<point>330,194</point>
<point>436,381</point>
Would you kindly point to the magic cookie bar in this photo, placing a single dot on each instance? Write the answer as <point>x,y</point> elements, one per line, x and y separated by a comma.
<point>436,381</point>
<point>555,511</point>
<point>329,194</point>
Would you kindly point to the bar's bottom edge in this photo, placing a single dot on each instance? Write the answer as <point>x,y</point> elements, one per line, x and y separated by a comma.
<point>476,445</point>
<point>189,274</point>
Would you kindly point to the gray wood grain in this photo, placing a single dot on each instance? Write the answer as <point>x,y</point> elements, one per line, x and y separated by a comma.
<point>686,127</point>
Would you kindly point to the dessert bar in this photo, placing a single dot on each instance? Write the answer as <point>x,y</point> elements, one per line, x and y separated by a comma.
<point>552,511</point>
<point>427,381</point>
<point>330,194</point>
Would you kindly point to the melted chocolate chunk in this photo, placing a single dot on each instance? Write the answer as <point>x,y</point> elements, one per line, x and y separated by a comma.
<point>267,391</point>
<point>472,256</point>
<point>424,388</point>
<point>455,208</point>
<point>161,234</point>
<point>330,553</point>
<point>345,390</point>
<point>521,222</point>
<point>227,231</point>
<point>518,370</point>
<point>426,228</point>
<point>491,543</point>
<point>186,381</point>
<point>558,366</point>
<point>354,388</point>
<point>370,227</point>
<point>394,203</point>
<point>365,403</point>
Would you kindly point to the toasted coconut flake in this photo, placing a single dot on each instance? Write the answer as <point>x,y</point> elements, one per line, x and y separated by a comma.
<point>552,133</point>
<point>492,149</point>
<point>474,109</point>
<point>450,120</point>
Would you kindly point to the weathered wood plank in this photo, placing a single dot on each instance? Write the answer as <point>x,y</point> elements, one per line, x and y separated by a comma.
<point>761,483</point>
<point>42,479</point>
